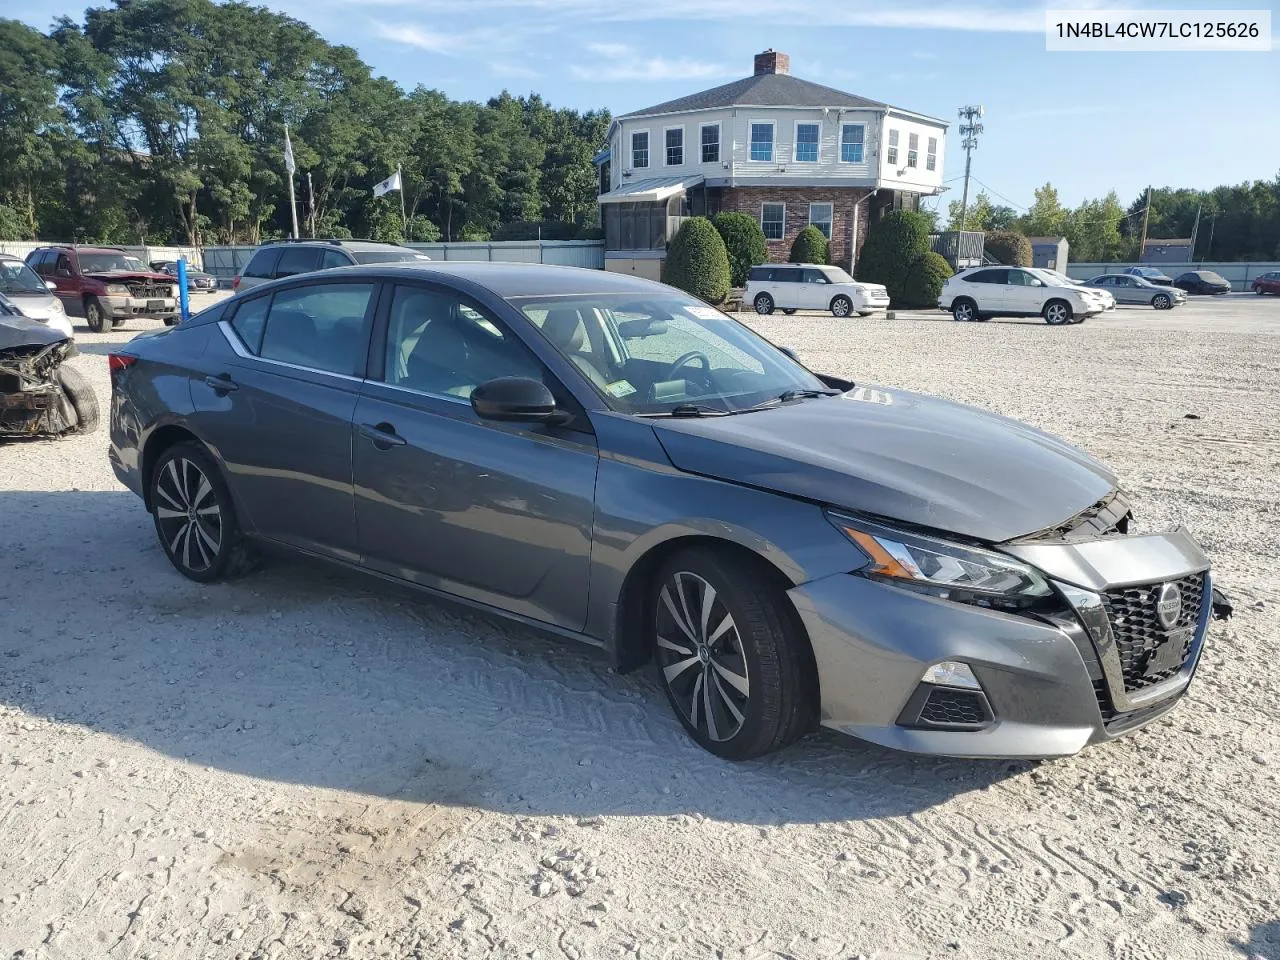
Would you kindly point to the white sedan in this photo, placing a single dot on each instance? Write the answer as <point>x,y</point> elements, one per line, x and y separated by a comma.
<point>983,292</point>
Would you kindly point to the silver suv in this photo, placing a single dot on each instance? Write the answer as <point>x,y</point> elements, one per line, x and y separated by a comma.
<point>287,258</point>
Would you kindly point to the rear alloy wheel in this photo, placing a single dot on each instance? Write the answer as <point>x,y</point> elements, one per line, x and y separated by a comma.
<point>763,304</point>
<point>966,311</point>
<point>194,517</point>
<point>1161,301</point>
<point>841,306</point>
<point>1057,313</point>
<point>734,666</point>
<point>95,316</point>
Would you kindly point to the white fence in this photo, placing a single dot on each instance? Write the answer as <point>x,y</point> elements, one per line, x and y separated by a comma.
<point>20,248</point>
<point>1240,274</point>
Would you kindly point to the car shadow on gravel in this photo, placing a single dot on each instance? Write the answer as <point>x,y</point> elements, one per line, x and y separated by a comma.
<point>303,674</point>
<point>1264,941</point>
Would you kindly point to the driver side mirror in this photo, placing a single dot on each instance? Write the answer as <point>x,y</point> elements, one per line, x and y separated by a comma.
<point>51,285</point>
<point>515,400</point>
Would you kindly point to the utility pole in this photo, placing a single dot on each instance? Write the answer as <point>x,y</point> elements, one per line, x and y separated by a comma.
<point>1208,251</point>
<point>1146,215</point>
<point>970,128</point>
<point>311,207</point>
<point>1195,228</point>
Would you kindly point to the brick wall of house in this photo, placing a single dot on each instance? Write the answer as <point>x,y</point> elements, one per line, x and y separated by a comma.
<point>748,200</point>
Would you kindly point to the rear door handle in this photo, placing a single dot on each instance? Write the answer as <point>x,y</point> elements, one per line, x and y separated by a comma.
<point>221,383</point>
<point>383,435</point>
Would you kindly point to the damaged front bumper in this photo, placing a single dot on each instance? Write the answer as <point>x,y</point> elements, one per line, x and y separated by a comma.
<point>31,401</point>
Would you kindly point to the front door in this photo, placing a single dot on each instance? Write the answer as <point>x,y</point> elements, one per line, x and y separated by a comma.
<point>816,290</point>
<point>500,513</point>
<point>275,398</point>
<point>1024,293</point>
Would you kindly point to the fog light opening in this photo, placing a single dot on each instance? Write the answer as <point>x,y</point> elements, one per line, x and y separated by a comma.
<point>951,673</point>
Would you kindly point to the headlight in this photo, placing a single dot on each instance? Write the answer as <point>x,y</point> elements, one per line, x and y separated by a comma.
<point>951,571</point>
<point>57,306</point>
<point>117,289</point>
<point>173,290</point>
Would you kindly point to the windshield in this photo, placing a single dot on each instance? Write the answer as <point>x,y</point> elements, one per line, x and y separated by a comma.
<point>655,353</point>
<point>836,275</point>
<point>17,277</point>
<point>107,262</point>
<point>1051,277</point>
<point>387,256</point>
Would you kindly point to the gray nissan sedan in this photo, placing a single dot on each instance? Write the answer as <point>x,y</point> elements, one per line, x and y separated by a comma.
<point>614,461</point>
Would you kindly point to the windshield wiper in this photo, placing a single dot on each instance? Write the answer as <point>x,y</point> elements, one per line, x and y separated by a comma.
<point>786,397</point>
<point>688,410</point>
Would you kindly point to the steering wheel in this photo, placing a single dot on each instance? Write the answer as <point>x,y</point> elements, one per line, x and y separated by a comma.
<point>687,359</point>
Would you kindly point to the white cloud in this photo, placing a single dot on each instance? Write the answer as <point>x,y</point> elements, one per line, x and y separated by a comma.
<point>620,62</point>
<point>504,68</point>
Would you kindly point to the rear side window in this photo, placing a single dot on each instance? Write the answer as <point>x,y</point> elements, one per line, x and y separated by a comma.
<point>249,322</point>
<point>787,275</point>
<point>987,276</point>
<point>323,327</point>
<point>295,260</point>
<point>262,263</point>
<point>332,258</point>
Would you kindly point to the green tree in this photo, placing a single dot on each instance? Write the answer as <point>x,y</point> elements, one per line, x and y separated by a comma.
<point>923,284</point>
<point>697,262</point>
<point>977,217</point>
<point>810,246</point>
<point>1093,230</point>
<point>1047,217</point>
<point>893,244</point>
<point>744,242</point>
<point>1009,247</point>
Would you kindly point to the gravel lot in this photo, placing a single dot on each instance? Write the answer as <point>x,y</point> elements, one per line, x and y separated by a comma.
<point>301,765</point>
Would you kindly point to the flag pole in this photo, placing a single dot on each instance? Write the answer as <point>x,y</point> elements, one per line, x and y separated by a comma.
<point>289,167</point>
<point>404,220</point>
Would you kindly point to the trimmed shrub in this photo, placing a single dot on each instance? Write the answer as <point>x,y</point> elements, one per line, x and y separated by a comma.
<point>697,261</point>
<point>810,247</point>
<point>1009,247</point>
<point>924,281</point>
<point>893,244</point>
<point>744,243</point>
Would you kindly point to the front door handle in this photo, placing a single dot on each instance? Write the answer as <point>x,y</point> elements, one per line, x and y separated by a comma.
<point>383,435</point>
<point>221,383</point>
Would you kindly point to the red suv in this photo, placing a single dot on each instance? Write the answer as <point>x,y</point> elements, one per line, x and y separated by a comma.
<point>105,285</point>
<point>1267,283</point>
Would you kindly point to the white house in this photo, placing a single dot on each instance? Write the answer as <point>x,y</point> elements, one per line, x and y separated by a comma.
<point>784,150</point>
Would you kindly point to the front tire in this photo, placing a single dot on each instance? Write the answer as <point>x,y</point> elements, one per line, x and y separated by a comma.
<point>81,397</point>
<point>841,306</point>
<point>735,666</point>
<point>1057,313</point>
<point>95,316</point>
<point>763,304</point>
<point>1162,301</point>
<point>194,516</point>
<point>964,310</point>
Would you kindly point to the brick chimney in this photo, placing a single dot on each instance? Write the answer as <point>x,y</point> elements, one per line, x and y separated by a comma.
<point>772,62</point>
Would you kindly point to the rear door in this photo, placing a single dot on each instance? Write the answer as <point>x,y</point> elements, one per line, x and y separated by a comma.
<point>500,513</point>
<point>988,290</point>
<point>787,290</point>
<point>275,398</point>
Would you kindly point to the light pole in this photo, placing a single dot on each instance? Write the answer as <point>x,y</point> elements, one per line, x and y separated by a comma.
<point>970,128</point>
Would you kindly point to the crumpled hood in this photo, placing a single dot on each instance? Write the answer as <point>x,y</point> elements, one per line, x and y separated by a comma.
<point>131,276</point>
<point>899,455</point>
<point>17,332</point>
<point>37,306</point>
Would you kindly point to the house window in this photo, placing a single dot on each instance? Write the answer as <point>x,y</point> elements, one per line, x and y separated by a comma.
<point>852,137</point>
<point>773,220</point>
<point>931,158</point>
<point>806,143</point>
<point>892,157</point>
<point>711,143</point>
<point>640,148</point>
<point>675,146</point>
<point>913,149</point>
<point>820,217</point>
<point>762,141</point>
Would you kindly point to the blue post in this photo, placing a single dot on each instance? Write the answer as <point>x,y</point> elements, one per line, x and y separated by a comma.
<point>183,301</point>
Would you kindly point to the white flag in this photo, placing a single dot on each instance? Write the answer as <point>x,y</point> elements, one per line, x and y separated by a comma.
<point>386,186</point>
<point>289,165</point>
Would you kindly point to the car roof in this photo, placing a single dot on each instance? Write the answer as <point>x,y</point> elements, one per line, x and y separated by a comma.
<point>346,244</point>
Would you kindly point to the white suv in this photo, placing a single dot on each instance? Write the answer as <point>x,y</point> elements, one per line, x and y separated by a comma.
<point>984,292</point>
<point>811,286</point>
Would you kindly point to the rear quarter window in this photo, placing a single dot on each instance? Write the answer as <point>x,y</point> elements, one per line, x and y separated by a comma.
<point>760,274</point>
<point>295,260</point>
<point>262,263</point>
<point>249,322</point>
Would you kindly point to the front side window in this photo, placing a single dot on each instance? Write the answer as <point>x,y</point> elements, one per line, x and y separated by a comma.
<point>332,259</point>
<point>438,344</point>
<point>1020,278</point>
<point>913,149</point>
<point>651,353</point>
<point>262,263</point>
<point>852,138</point>
<point>931,158</point>
<point>773,220</point>
<point>820,215</point>
<point>711,143</point>
<point>640,149</point>
<point>64,265</point>
<point>762,141</point>
<point>807,136</point>
<point>892,156</point>
<point>675,146</point>
<point>322,327</point>
<point>815,276</point>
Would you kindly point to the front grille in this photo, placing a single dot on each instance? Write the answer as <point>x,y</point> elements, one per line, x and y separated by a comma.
<point>152,291</point>
<point>954,708</point>
<point>1137,631</point>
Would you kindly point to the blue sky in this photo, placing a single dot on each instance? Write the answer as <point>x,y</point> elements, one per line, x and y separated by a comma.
<point>1087,122</point>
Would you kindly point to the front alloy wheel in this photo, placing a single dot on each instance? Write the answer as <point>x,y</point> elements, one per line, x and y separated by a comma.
<point>1161,302</point>
<point>964,311</point>
<point>763,304</point>
<point>841,306</point>
<point>1057,313</point>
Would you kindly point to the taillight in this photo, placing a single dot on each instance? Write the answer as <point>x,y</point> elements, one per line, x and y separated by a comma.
<point>235,282</point>
<point>118,362</point>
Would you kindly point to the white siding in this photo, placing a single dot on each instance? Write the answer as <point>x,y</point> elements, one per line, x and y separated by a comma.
<point>921,179</point>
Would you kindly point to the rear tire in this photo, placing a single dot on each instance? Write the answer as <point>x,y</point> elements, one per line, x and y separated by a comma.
<point>730,655</point>
<point>841,306</point>
<point>81,397</point>
<point>964,310</point>
<point>1057,313</point>
<point>195,517</point>
<point>95,316</point>
<point>763,304</point>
